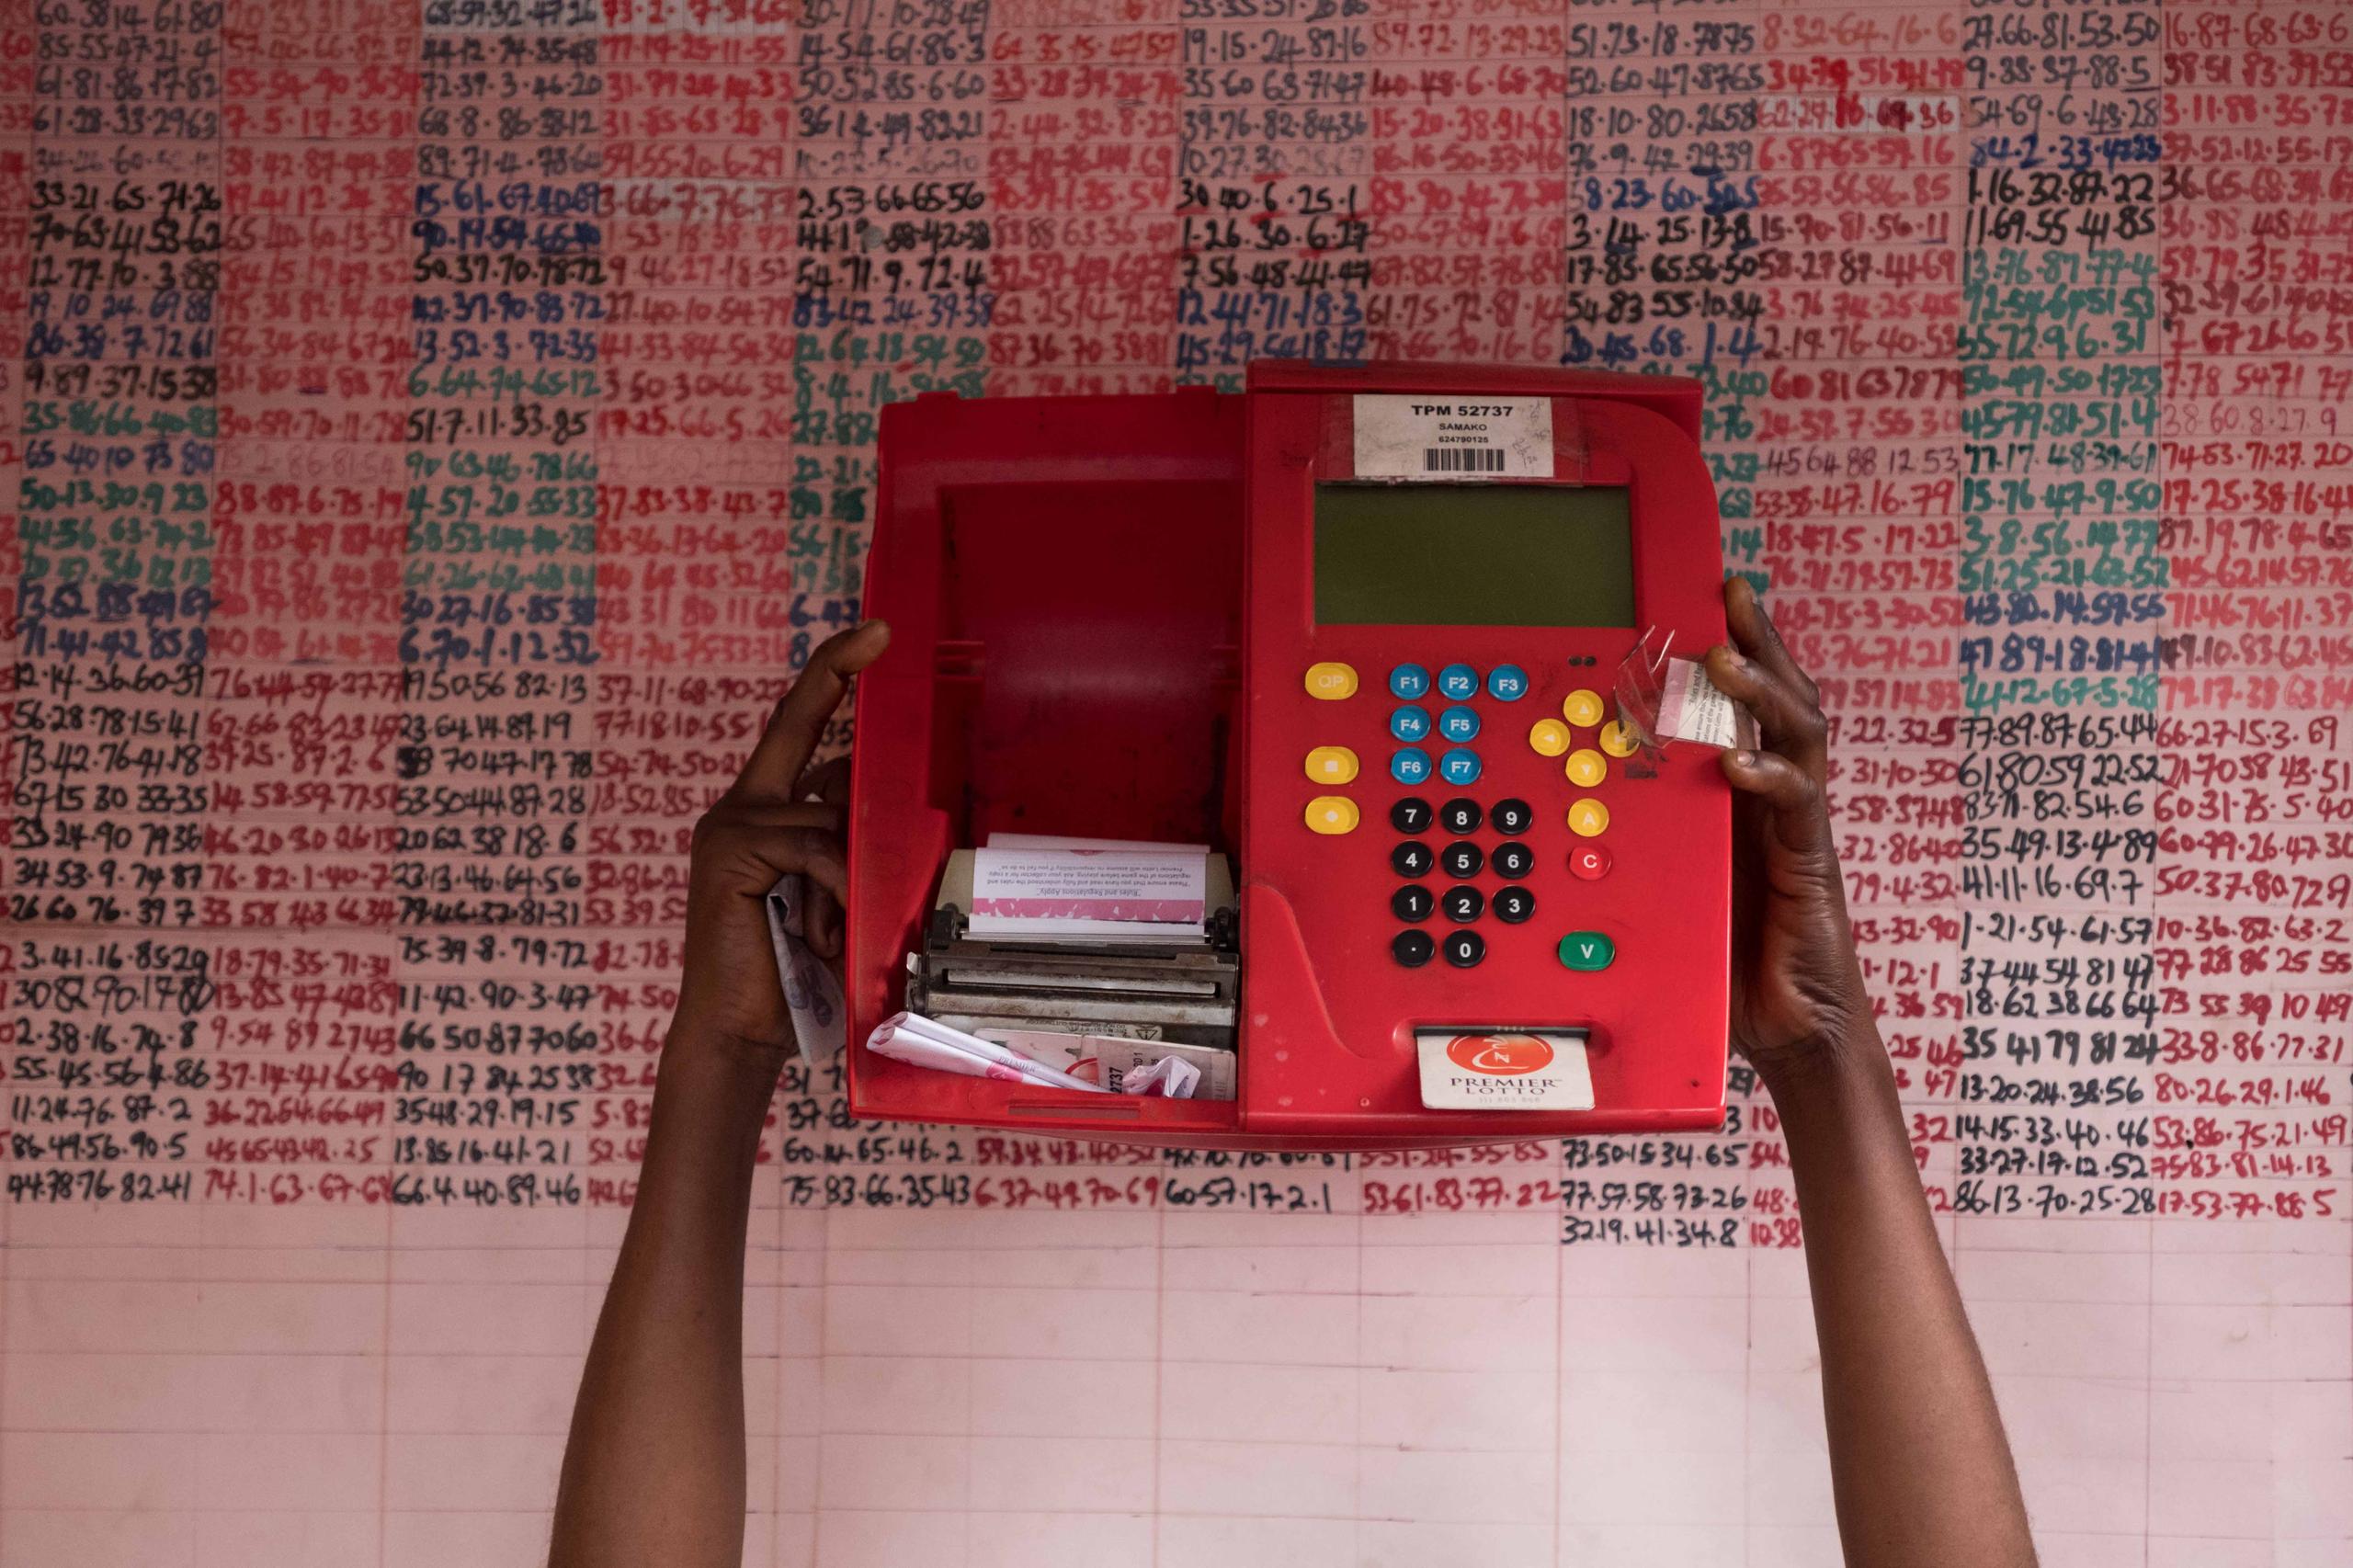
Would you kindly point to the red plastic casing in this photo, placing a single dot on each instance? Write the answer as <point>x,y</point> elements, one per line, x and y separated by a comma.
<point>1102,619</point>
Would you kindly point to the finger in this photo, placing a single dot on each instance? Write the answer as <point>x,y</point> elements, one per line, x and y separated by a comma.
<point>791,739</point>
<point>767,851</point>
<point>823,922</point>
<point>1754,633</point>
<point>1794,795</point>
<point>828,781</point>
<point>1788,723</point>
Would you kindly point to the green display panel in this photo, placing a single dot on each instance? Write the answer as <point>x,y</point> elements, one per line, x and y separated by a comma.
<point>1473,556</point>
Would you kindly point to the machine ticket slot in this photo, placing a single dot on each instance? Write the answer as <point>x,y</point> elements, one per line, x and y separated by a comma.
<point>1350,640</point>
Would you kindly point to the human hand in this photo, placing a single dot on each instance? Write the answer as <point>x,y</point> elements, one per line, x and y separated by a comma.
<point>764,827</point>
<point>1797,987</point>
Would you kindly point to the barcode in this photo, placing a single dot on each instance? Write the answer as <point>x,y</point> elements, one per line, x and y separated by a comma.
<point>1463,460</point>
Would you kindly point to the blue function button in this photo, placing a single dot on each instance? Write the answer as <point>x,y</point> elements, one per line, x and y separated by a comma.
<point>1457,724</point>
<point>1506,683</point>
<point>1410,764</point>
<point>1459,766</point>
<point>1409,683</point>
<point>1458,683</point>
<point>1410,724</point>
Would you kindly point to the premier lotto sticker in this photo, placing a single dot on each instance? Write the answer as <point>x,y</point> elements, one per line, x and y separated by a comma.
<point>1504,1069</point>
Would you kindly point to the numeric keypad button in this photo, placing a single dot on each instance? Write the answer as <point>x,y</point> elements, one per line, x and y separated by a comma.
<point>1461,859</point>
<point>1412,858</point>
<point>1412,948</point>
<point>1462,905</point>
<point>1411,902</point>
<point>1514,905</point>
<point>1512,817</point>
<point>1514,859</point>
<point>1463,948</point>
<point>1459,815</point>
<point>1410,814</point>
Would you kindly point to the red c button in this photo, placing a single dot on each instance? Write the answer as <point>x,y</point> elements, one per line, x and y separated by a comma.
<point>1590,862</point>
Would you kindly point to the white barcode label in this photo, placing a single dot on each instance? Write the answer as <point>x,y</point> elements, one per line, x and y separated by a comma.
<point>1434,436</point>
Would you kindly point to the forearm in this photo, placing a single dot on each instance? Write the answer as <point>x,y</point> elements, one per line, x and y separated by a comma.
<point>654,1472</point>
<point>1921,1468</point>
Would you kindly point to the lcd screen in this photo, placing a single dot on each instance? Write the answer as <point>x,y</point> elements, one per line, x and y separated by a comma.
<point>1473,556</point>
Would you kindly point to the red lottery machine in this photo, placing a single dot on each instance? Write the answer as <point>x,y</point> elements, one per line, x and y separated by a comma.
<point>1288,733</point>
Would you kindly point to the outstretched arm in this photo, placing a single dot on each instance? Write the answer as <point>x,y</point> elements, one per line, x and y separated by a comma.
<point>1917,1458</point>
<point>653,1472</point>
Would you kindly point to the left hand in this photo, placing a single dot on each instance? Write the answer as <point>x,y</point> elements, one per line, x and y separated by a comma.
<point>765,825</point>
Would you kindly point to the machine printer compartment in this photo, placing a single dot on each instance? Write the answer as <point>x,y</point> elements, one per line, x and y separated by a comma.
<point>1065,660</point>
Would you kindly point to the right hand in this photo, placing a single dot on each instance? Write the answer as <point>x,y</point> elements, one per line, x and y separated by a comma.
<point>767,825</point>
<point>1797,986</point>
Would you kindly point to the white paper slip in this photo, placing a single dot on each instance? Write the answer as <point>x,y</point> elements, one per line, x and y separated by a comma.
<point>1691,707</point>
<point>1504,1069</point>
<point>1112,894</point>
<point>1057,841</point>
<point>1435,436</point>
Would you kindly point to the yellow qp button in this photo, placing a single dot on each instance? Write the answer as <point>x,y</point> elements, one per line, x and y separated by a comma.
<point>1582,707</point>
<point>1588,818</point>
<point>1331,765</point>
<point>1586,769</point>
<point>1617,740</point>
<point>1331,681</point>
<point>1548,738</point>
<point>1332,813</point>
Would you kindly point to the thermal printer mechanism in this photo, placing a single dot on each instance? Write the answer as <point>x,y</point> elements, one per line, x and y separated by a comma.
<point>1184,989</point>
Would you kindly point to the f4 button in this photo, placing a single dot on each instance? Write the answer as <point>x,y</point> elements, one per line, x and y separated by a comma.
<point>1587,951</point>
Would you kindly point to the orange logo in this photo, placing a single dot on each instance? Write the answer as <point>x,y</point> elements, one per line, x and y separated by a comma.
<point>1503,1053</point>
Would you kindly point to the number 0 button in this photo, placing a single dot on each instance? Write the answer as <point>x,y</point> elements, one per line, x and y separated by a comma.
<point>1463,948</point>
